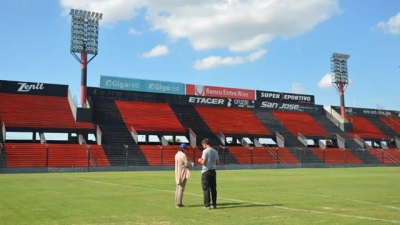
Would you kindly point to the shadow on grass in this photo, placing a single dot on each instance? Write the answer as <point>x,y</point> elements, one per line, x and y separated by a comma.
<point>226,205</point>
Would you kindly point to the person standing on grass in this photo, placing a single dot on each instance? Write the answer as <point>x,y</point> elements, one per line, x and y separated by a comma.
<point>209,159</point>
<point>182,173</point>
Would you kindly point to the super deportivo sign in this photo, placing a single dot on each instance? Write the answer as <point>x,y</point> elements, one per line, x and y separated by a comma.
<point>284,97</point>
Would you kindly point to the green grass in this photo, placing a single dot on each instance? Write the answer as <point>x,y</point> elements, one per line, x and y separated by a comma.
<point>279,196</point>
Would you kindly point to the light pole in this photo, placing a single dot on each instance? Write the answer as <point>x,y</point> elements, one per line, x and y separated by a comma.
<point>84,40</point>
<point>340,76</point>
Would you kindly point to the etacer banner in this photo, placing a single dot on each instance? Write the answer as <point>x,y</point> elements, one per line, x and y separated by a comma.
<point>131,84</point>
<point>221,92</point>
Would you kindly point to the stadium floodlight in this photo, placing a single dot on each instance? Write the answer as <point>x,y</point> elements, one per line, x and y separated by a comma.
<point>339,76</point>
<point>84,40</point>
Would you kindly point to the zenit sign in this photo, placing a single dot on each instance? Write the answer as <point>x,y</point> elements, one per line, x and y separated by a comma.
<point>33,88</point>
<point>284,97</point>
<point>27,87</point>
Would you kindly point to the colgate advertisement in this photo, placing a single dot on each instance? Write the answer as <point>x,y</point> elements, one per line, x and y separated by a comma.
<point>221,92</point>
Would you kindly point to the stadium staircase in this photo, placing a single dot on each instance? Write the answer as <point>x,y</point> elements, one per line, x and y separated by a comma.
<point>292,144</point>
<point>117,142</point>
<point>190,118</point>
<point>351,145</point>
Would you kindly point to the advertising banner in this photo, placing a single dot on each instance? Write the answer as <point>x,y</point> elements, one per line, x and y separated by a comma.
<point>284,97</point>
<point>33,88</point>
<point>351,111</point>
<point>131,84</point>
<point>221,92</point>
<point>308,108</point>
<point>221,102</point>
<point>100,93</point>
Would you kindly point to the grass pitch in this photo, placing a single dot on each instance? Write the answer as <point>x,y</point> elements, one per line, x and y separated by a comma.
<point>277,196</point>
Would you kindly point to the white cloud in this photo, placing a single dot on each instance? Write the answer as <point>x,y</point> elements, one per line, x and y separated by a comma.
<point>239,25</point>
<point>256,55</point>
<point>134,32</point>
<point>326,81</point>
<point>298,88</point>
<point>217,61</point>
<point>113,10</point>
<point>392,26</point>
<point>233,24</point>
<point>159,50</point>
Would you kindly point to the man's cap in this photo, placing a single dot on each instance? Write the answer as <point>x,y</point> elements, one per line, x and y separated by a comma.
<point>183,145</point>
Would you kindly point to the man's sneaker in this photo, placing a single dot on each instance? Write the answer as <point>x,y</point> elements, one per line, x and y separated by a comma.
<point>180,206</point>
<point>207,207</point>
<point>214,206</point>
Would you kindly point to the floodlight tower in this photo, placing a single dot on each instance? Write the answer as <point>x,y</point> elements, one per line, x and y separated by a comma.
<point>340,77</point>
<point>84,40</point>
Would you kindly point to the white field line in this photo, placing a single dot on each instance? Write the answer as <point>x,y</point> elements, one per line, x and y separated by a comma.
<point>352,200</point>
<point>243,201</point>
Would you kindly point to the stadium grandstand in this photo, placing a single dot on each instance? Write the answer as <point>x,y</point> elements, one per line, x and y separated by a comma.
<point>119,128</point>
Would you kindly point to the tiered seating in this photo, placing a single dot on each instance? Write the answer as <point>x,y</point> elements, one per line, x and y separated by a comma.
<point>336,156</point>
<point>67,155</point>
<point>285,156</point>
<point>60,155</point>
<point>363,128</point>
<point>166,157</point>
<point>241,153</point>
<point>232,120</point>
<point>300,122</point>
<point>393,155</point>
<point>392,122</point>
<point>28,155</point>
<point>153,155</point>
<point>262,156</point>
<point>36,111</point>
<point>193,154</point>
<point>386,156</point>
<point>99,156</point>
<point>147,116</point>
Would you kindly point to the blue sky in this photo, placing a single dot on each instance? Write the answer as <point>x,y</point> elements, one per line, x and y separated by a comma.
<point>271,45</point>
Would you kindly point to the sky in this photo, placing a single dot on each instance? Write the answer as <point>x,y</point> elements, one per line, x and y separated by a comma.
<point>270,45</point>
